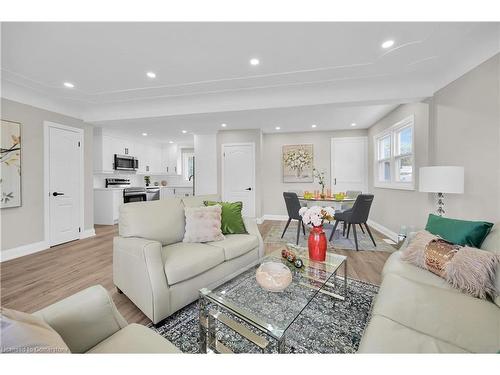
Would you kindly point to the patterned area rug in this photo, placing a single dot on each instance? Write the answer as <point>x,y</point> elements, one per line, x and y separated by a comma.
<point>338,242</point>
<point>327,325</point>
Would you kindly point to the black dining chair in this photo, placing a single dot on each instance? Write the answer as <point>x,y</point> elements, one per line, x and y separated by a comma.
<point>357,215</point>
<point>293,206</point>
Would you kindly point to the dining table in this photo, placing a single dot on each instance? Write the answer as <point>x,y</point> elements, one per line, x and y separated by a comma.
<point>327,201</point>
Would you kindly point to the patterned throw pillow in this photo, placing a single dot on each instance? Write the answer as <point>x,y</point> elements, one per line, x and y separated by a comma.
<point>469,269</point>
<point>203,224</point>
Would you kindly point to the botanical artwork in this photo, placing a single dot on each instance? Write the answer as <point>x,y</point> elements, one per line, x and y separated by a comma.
<point>298,163</point>
<point>10,181</point>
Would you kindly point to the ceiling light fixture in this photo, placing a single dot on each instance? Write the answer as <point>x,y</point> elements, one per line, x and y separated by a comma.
<point>223,125</point>
<point>184,131</point>
<point>388,44</point>
<point>277,128</point>
<point>314,126</point>
<point>254,61</point>
<point>69,85</point>
<point>144,134</point>
<point>353,124</point>
<point>151,74</point>
<point>170,142</point>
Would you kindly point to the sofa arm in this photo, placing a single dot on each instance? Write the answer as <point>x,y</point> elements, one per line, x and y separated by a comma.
<point>84,319</point>
<point>252,228</point>
<point>138,271</point>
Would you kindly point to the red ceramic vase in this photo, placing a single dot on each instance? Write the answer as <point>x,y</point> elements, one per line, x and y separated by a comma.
<point>317,244</point>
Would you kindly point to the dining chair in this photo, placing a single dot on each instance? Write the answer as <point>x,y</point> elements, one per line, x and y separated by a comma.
<point>350,194</point>
<point>357,215</point>
<point>293,206</point>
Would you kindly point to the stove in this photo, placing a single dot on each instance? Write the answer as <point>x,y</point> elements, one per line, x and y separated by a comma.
<point>117,182</point>
<point>134,194</point>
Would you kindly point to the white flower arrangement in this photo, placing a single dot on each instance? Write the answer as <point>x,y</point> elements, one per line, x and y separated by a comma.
<point>298,159</point>
<point>316,215</point>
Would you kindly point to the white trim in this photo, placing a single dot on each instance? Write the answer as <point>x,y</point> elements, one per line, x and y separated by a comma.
<point>391,131</point>
<point>254,172</point>
<point>87,233</point>
<point>386,231</point>
<point>273,217</point>
<point>46,203</point>
<point>21,251</point>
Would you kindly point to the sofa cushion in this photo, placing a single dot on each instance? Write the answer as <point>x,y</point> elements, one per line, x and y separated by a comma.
<point>492,243</point>
<point>235,245</point>
<point>203,224</point>
<point>456,318</point>
<point>185,260</point>
<point>198,200</point>
<point>135,338</point>
<point>383,335</point>
<point>160,220</point>
<point>28,334</point>
<point>394,265</point>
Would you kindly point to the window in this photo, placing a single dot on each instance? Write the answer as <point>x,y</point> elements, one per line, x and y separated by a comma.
<point>394,157</point>
<point>187,163</point>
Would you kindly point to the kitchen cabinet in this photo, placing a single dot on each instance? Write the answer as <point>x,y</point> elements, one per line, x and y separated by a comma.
<point>152,159</point>
<point>104,154</point>
<point>179,192</point>
<point>107,204</point>
<point>170,159</point>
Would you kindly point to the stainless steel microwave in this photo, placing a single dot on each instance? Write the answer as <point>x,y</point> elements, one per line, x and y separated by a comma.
<point>126,163</point>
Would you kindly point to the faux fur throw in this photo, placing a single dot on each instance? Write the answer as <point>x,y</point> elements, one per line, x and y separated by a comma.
<point>469,269</point>
<point>203,224</point>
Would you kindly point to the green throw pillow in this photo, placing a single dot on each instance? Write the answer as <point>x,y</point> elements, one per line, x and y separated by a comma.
<point>460,232</point>
<point>232,221</point>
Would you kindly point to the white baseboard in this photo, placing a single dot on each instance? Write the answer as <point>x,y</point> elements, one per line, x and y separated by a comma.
<point>389,233</point>
<point>36,247</point>
<point>87,233</point>
<point>21,251</point>
<point>273,217</point>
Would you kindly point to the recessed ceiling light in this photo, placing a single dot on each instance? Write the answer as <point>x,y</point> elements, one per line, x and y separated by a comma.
<point>151,74</point>
<point>144,134</point>
<point>69,85</point>
<point>277,128</point>
<point>388,44</point>
<point>223,125</point>
<point>353,124</point>
<point>184,131</point>
<point>254,61</point>
<point>314,126</point>
<point>170,142</point>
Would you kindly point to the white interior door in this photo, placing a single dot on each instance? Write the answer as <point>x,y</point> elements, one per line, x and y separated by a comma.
<point>349,164</point>
<point>65,182</point>
<point>238,175</point>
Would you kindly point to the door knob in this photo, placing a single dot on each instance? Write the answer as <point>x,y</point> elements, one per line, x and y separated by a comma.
<point>248,189</point>
<point>55,193</point>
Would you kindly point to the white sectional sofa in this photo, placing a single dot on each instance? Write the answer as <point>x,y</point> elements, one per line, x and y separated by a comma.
<point>160,273</point>
<point>416,311</point>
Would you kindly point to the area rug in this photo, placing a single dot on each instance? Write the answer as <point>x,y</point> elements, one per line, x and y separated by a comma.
<point>339,242</point>
<point>327,325</point>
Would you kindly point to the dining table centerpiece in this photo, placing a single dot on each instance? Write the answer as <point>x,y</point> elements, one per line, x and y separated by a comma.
<point>316,216</point>
<point>320,175</point>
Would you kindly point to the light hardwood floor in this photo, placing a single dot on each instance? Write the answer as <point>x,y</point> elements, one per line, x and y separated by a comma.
<point>34,281</point>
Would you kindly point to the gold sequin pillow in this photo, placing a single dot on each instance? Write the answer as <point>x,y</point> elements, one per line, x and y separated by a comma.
<point>469,269</point>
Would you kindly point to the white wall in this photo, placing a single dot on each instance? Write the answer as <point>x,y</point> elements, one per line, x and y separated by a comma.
<point>205,152</point>
<point>25,225</point>
<point>272,167</point>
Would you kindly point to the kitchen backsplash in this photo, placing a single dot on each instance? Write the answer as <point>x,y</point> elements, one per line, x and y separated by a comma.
<point>138,180</point>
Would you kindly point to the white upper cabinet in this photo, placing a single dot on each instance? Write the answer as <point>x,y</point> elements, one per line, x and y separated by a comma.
<point>153,159</point>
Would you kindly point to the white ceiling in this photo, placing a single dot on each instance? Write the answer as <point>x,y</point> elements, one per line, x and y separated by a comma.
<point>204,67</point>
<point>292,119</point>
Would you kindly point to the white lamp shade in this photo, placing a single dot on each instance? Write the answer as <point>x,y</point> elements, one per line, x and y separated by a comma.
<point>441,180</point>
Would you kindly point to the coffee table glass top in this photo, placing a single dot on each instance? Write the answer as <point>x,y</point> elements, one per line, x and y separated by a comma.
<point>273,312</point>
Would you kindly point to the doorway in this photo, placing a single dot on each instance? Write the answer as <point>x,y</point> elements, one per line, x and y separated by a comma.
<point>238,175</point>
<point>349,164</point>
<point>63,183</point>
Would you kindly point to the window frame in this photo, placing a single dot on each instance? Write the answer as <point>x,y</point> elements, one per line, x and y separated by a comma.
<point>393,132</point>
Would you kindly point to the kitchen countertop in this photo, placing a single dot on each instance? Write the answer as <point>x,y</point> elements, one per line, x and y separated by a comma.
<point>163,187</point>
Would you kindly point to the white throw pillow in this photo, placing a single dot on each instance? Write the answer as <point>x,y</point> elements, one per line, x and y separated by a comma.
<point>203,224</point>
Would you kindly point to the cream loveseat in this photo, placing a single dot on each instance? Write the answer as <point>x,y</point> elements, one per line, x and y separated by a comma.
<point>160,273</point>
<point>416,311</point>
<point>88,322</point>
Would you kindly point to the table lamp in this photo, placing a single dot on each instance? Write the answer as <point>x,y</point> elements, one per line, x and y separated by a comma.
<point>440,180</point>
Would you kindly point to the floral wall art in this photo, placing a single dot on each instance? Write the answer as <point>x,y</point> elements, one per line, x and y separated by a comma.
<point>10,180</point>
<point>298,163</point>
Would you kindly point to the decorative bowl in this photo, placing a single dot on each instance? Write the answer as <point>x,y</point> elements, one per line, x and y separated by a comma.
<point>273,276</point>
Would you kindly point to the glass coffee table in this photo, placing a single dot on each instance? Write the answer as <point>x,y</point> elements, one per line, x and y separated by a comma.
<point>239,302</point>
